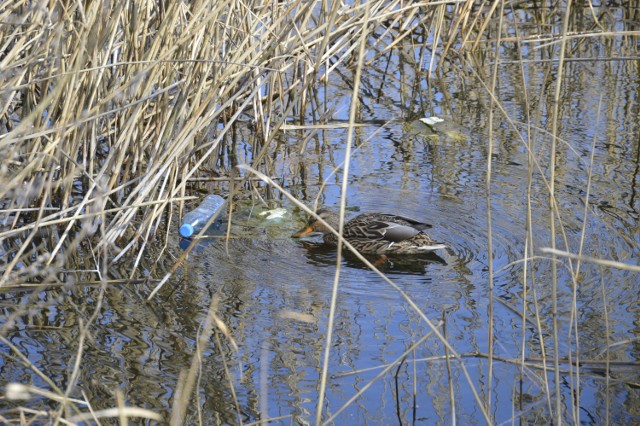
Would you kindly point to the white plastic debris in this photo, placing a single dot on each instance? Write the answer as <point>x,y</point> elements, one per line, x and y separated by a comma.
<point>431,121</point>
<point>274,214</point>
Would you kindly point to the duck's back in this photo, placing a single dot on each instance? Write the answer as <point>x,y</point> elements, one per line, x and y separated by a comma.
<point>388,227</point>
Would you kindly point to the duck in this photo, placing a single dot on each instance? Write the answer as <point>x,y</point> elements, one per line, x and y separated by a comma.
<point>375,233</point>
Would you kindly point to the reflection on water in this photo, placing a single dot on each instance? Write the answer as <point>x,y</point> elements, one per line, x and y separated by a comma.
<point>320,253</point>
<point>275,291</point>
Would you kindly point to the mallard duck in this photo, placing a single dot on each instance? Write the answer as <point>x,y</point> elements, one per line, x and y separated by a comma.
<point>375,233</point>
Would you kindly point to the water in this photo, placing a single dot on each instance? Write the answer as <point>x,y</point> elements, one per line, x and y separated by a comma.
<point>274,292</point>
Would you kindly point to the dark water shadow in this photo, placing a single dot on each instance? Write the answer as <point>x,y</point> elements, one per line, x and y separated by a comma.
<point>321,254</point>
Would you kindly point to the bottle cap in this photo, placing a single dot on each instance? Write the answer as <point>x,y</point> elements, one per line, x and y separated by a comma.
<point>186,230</point>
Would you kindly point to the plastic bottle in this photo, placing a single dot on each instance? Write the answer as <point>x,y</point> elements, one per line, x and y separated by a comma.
<point>193,221</point>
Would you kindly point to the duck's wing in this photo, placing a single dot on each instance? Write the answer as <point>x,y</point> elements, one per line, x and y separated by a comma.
<point>396,232</point>
<point>373,230</point>
<point>403,220</point>
<point>394,218</point>
<point>388,227</point>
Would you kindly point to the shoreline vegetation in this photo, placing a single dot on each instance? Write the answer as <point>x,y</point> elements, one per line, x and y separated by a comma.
<point>115,117</point>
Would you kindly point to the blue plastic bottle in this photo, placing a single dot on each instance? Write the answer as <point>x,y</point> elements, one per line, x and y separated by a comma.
<point>193,221</point>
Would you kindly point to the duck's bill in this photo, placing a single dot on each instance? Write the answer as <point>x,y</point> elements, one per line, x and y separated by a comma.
<point>301,233</point>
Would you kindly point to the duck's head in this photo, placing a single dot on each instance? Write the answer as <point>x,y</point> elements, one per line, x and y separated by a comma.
<point>314,225</point>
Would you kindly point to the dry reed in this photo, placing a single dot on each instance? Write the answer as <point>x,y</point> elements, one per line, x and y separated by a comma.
<point>110,112</point>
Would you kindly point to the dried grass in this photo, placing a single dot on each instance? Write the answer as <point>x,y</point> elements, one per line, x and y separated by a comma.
<point>110,112</point>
